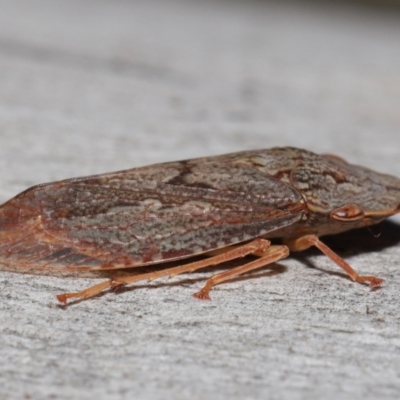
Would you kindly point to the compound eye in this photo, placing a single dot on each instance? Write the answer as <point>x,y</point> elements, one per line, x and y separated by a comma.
<point>348,213</point>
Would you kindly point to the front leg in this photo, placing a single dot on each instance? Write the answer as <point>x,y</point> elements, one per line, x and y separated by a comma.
<point>304,242</point>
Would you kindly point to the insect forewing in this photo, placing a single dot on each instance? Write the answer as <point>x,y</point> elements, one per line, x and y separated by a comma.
<point>144,215</point>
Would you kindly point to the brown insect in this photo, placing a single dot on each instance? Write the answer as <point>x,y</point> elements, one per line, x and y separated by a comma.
<point>177,210</point>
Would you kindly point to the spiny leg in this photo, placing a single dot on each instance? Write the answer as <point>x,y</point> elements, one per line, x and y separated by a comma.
<point>307,241</point>
<point>257,246</point>
<point>272,254</point>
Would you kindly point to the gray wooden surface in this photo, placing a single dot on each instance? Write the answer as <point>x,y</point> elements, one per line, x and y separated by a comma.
<point>93,86</point>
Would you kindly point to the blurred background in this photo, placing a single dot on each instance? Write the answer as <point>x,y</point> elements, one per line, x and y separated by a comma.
<point>91,86</point>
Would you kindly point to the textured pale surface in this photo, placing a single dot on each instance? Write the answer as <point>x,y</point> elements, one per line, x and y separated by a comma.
<point>90,87</point>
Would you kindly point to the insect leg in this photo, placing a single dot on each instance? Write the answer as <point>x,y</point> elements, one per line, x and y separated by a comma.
<point>257,246</point>
<point>307,241</point>
<point>272,254</point>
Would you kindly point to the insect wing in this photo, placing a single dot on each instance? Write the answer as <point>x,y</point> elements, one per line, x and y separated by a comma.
<point>143,216</point>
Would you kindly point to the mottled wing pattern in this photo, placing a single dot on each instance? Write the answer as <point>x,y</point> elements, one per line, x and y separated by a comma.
<point>145,215</point>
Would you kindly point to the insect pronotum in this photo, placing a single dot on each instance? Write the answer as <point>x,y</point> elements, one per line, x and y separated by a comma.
<point>226,207</point>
